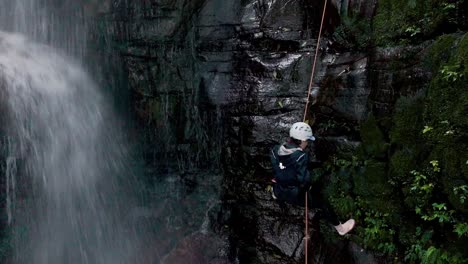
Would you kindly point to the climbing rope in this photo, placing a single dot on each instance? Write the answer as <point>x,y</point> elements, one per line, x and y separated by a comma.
<point>315,62</point>
<point>306,235</point>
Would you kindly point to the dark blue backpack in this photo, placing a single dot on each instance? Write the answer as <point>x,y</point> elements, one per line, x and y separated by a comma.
<point>285,167</point>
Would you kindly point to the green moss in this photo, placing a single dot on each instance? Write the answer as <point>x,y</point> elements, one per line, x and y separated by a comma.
<point>344,206</point>
<point>373,182</point>
<point>393,18</point>
<point>403,21</point>
<point>401,163</point>
<point>408,122</point>
<point>429,126</point>
<point>373,140</point>
<point>440,51</point>
<point>446,113</point>
<point>406,138</point>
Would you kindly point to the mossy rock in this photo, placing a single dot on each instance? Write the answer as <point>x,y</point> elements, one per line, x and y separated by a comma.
<point>408,121</point>
<point>373,144</point>
<point>447,114</point>
<point>373,182</point>
<point>410,21</point>
<point>391,19</point>
<point>453,174</point>
<point>344,206</point>
<point>448,93</point>
<point>440,51</point>
<point>401,163</point>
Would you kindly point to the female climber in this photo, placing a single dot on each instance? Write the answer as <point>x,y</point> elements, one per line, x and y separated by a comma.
<point>292,179</point>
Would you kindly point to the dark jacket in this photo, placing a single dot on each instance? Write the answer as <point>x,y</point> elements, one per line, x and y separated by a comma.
<point>291,174</point>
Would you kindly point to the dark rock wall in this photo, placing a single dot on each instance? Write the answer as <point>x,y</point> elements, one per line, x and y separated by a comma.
<point>190,64</point>
<point>156,41</point>
<point>214,84</point>
<point>218,82</point>
<point>247,63</point>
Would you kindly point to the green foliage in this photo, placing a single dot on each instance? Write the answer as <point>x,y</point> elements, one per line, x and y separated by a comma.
<point>435,255</point>
<point>403,21</point>
<point>420,241</point>
<point>421,188</point>
<point>428,141</point>
<point>419,172</point>
<point>413,30</point>
<point>423,251</point>
<point>360,188</point>
<point>461,229</point>
<point>378,233</point>
<point>440,213</point>
<point>446,112</point>
<point>462,192</point>
<point>341,184</point>
<point>451,73</point>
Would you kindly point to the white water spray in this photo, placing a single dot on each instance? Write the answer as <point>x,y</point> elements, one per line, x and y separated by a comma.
<point>65,133</point>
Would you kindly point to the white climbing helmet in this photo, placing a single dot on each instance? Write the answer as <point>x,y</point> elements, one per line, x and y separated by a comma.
<point>301,131</point>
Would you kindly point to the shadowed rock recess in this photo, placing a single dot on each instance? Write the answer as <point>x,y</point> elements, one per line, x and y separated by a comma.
<point>214,84</point>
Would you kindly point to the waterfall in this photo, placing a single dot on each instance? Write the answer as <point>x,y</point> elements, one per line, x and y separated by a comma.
<point>10,191</point>
<point>61,24</point>
<point>67,190</point>
<point>10,179</point>
<point>73,155</point>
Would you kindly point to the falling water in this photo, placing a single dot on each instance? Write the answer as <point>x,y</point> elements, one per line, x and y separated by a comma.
<point>73,156</point>
<point>60,24</point>
<point>10,173</point>
<point>67,184</point>
<point>70,204</point>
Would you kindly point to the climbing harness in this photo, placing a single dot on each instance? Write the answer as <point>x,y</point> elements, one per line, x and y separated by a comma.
<point>306,235</point>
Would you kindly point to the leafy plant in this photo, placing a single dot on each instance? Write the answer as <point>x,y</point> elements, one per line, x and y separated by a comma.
<point>413,30</point>
<point>439,212</point>
<point>378,233</point>
<point>462,192</point>
<point>427,129</point>
<point>421,240</point>
<point>451,73</point>
<point>461,229</point>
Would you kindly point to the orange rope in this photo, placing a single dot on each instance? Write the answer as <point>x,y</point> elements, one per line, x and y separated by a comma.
<point>315,61</point>
<point>306,235</point>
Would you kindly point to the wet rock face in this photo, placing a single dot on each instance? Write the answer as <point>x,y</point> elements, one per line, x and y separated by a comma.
<point>396,72</point>
<point>362,7</point>
<point>220,81</point>
<point>245,62</point>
